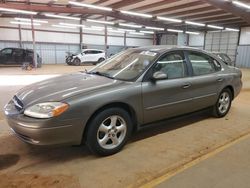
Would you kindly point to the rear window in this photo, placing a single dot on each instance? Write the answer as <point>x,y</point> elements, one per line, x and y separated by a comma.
<point>93,52</point>
<point>17,52</point>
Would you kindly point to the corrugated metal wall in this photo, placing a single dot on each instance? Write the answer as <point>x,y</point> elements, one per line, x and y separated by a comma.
<point>224,41</point>
<point>50,53</point>
<point>168,39</point>
<point>243,57</point>
<point>55,53</point>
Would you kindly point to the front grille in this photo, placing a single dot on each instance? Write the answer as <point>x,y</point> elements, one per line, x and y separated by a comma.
<point>18,103</point>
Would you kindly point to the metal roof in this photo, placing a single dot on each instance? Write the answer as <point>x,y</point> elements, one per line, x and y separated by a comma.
<point>215,12</point>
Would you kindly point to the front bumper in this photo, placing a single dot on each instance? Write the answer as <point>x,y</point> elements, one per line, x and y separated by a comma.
<point>46,131</point>
<point>69,60</point>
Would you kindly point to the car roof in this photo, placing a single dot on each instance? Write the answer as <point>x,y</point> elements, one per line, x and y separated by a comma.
<point>13,48</point>
<point>92,49</point>
<point>18,49</point>
<point>165,48</point>
<point>217,53</point>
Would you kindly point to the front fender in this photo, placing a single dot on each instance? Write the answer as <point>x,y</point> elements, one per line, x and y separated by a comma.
<point>85,105</point>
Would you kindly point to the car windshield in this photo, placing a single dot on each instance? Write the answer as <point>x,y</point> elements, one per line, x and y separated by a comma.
<point>127,65</point>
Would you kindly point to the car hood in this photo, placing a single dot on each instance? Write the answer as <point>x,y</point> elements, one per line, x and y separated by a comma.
<point>63,87</point>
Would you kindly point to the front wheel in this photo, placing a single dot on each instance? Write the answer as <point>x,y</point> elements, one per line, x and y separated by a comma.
<point>109,131</point>
<point>77,62</point>
<point>223,103</point>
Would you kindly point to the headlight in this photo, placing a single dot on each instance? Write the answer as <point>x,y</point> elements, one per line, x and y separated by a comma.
<point>46,110</point>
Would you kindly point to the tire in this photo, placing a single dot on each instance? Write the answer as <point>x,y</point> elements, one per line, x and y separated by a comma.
<point>223,104</point>
<point>99,61</point>
<point>68,60</point>
<point>77,62</point>
<point>106,138</point>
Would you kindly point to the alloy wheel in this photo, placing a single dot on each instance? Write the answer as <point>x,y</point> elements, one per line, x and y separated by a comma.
<point>224,102</point>
<point>111,132</point>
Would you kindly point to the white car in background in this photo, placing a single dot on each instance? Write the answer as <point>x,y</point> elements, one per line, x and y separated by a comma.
<point>86,56</point>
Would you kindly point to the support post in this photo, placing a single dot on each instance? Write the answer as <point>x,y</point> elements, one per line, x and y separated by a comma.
<point>33,42</point>
<point>158,39</point>
<point>106,40</point>
<point>20,36</point>
<point>187,39</point>
<point>238,43</point>
<point>81,36</point>
<point>125,39</point>
<point>154,39</point>
<point>204,43</point>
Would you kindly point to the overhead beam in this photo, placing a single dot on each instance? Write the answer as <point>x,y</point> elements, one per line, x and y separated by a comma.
<point>229,7</point>
<point>56,9</point>
<point>121,4</point>
<point>232,21</point>
<point>204,15</point>
<point>116,14</point>
<point>153,5</point>
<point>217,18</point>
<point>222,20</point>
<point>178,7</point>
<point>193,11</point>
<point>99,2</point>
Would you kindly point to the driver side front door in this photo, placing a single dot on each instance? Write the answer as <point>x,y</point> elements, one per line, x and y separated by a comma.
<point>169,97</point>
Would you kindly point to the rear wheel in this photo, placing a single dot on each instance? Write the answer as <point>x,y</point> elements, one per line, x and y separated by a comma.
<point>223,103</point>
<point>77,62</point>
<point>99,61</point>
<point>109,131</point>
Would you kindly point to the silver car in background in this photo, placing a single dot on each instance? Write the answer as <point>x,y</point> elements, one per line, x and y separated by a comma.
<point>134,88</point>
<point>225,58</point>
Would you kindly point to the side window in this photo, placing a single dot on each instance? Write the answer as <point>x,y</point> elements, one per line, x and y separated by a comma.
<point>7,51</point>
<point>94,52</point>
<point>87,52</point>
<point>172,64</point>
<point>17,52</point>
<point>202,64</point>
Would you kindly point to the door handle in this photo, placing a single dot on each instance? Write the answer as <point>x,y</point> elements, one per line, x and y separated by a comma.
<point>220,79</point>
<point>186,86</point>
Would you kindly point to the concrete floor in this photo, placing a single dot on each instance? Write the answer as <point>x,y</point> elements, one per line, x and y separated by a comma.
<point>150,153</point>
<point>228,169</point>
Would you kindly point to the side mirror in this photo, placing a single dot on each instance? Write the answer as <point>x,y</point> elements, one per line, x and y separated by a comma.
<point>159,76</point>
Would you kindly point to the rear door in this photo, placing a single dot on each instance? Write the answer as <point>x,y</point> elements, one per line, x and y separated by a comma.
<point>99,54</point>
<point>87,56</point>
<point>169,97</point>
<point>205,80</point>
<point>94,55</point>
<point>18,56</point>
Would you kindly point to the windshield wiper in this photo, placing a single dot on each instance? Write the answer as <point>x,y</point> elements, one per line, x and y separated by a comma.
<point>101,74</point>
